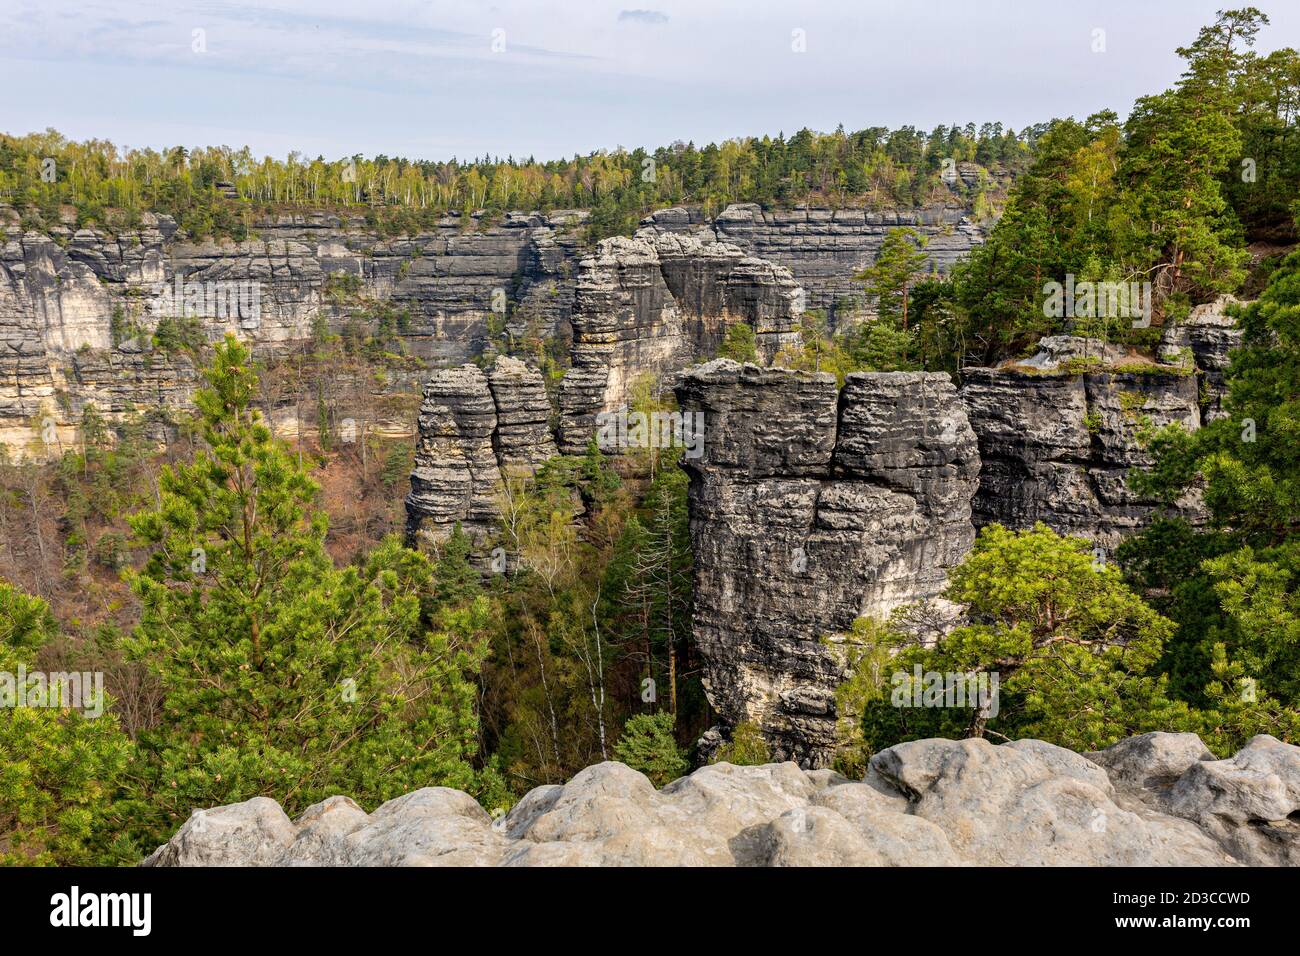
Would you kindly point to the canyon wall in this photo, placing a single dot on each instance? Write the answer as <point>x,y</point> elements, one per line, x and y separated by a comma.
<point>654,304</point>
<point>76,317</point>
<point>825,248</point>
<point>76,307</point>
<point>810,507</point>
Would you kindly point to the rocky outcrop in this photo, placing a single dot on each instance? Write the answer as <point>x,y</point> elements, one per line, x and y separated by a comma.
<point>653,304</point>
<point>810,507</point>
<point>825,248</point>
<point>1204,342</point>
<point>60,293</point>
<point>923,803</point>
<point>1057,444</point>
<point>475,429</point>
<point>77,309</point>
<point>522,440</point>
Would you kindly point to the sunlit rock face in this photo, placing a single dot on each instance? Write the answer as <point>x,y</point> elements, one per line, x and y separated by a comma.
<point>825,248</point>
<point>78,309</point>
<point>653,304</point>
<point>1155,800</point>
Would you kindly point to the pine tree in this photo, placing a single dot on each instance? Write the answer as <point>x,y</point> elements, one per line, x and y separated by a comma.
<point>284,676</point>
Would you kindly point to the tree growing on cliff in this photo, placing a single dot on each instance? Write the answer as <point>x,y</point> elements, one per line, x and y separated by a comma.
<point>1234,586</point>
<point>739,344</point>
<point>1070,644</point>
<point>284,675</point>
<point>889,279</point>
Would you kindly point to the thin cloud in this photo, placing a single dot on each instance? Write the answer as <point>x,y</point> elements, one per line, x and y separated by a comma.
<point>642,16</point>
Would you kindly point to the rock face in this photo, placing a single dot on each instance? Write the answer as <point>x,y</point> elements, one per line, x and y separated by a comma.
<point>825,248</point>
<point>1204,341</point>
<point>655,303</point>
<point>475,428</point>
<point>923,803</point>
<point>59,293</point>
<point>810,507</point>
<point>61,296</point>
<point>1057,446</point>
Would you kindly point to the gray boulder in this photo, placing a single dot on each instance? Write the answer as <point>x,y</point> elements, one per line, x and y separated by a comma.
<point>1158,799</point>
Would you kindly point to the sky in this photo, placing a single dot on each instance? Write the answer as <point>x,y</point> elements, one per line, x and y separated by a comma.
<point>548,79</point>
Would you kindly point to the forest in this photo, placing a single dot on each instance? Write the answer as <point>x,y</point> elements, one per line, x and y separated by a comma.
<point>263,629</point>
<point>222,192</point>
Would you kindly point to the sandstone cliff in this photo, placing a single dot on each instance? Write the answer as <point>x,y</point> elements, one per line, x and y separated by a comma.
<point>71,304</point>
<point>475,430</point>
<point>655,303</point>
<point>809,508</point>
<point>1157,799</point>
<point>1060,433</point>
<point>825,248</point>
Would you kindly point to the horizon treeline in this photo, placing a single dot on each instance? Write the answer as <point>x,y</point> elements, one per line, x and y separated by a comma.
<point>218,191</point>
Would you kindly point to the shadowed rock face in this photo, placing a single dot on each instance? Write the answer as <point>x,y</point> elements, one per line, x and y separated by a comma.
<point>1058,448</point>
<point>811,507</point>
<point>1205,341</point>
<point>922,803</point>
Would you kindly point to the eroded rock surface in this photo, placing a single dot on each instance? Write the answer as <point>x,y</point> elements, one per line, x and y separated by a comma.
<point>825,248</point>
<point>476,429</point>
<point>1058,445</point>
<point>923,803</point>
<point>76,314</point>
<point>1205,342</point>
<point>651,305</point>
<point>810,507</point>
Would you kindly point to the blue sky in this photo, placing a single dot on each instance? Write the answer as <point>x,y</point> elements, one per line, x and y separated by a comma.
<point>421,79</point>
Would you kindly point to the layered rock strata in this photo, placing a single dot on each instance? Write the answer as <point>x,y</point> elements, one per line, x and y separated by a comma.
<point>72,292</point>
<point>1204,341</point>
<point>1058,446</point>
<point>476,429</point>
<point>1154,800</point>
<point>810,507</point>
<point>651,305</point>
<point>825,248</point>
<point>77,309</point>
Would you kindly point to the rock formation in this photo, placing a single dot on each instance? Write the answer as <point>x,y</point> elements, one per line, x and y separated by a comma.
<point>1158,799</point>
<point>61,347</point>
<point>652,305</point>
<point>825,248</point>
<point>809,508</point>
<point>1204,342</point>
<point>76,308</point>
<point>475,428</point>
<point>1058,438</point>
